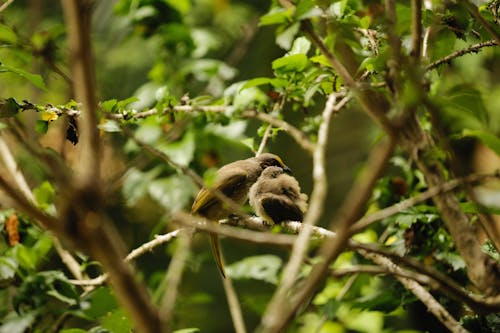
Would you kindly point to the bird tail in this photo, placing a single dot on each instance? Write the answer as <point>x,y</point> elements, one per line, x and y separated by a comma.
<point>216,251</point>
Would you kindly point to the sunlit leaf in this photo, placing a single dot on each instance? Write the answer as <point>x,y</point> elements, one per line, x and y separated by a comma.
<point>264,268</point>
<point>300,46</point>
<point>117,322</point>
<point>290,63</point>
<point>277,15</point>
<point>7,35</point>
<point>182,151</point>
<point>17,323</point>
<point>173,193</point>
<point>136,184</point>
<point>35,79</point>
<point>8,268</point>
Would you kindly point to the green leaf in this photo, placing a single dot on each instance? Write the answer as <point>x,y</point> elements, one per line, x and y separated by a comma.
<point>73,330</point>
<point>136,183</point>
<point>300,46</point>
<point>285,38</point>
<point>307,9</point>
<point>463,107</point>
<point>451,258</point>
<point>182,151</point>
<point>44,194</point>
<point>110,126</point>
<point>386,301</point>
<point>277,15</point>
<point>35,79</point>
<point>125,102</point>
<point>9,107</point>
<point>98,303</point>
<point>41,126</point>
<point>7,35</point>
<point>290,63</point>
<point>264,268</point>
<point>109,105</point>
<point>44,287</point>
<point>173,193</point>
<point>117,322</point>
<point>17,323</point>
<point>489,139</point>
<point>8,267</point>
<point>258,81</point>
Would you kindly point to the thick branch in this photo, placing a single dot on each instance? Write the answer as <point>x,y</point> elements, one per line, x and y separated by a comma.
<point>78,16</point>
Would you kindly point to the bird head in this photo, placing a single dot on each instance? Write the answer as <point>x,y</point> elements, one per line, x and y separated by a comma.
<point>267,160</point>
<point>272,172</point>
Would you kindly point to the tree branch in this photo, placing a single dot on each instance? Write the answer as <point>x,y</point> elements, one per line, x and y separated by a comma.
<point>423,295</point>
<point>78,16</point>
<point>410,202</point>
<point>471,49</point>
<point>472,9</point>
<point>271,321</point>
<point>234,306</point>
<point>173,277</point>
<point>330,250</point>
<point>416,36</point>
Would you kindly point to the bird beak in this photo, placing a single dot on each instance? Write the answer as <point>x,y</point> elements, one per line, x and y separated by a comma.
<point>287,170</point>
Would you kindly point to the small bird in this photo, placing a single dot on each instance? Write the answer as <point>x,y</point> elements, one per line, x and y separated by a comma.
<point>276,197</point>
<point>233,180</point>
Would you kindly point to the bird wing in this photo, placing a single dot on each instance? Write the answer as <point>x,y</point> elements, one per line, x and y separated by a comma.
<point>229,186</point>
<point>279,208</point>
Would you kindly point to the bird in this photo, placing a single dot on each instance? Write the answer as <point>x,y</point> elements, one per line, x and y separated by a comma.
<point>276,197</point>
<point>234,181</point>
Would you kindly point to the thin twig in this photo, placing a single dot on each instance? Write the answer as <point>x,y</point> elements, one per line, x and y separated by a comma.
<point>410,202</point>
<point>265,138</point>
<point>423,295</point>
<point>173,277</point>
<point>302,140</point>
<point>200,223</point>
<point>471,49</point>
<point>234,306</point>
<point>473,10</point>
<point>5,5</point>
<point>135,253</point>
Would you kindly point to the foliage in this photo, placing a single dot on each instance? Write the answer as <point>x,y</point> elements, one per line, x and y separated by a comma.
<point>185,87</point>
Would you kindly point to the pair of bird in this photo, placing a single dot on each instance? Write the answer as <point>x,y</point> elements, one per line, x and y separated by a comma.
<point>274,194</point>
